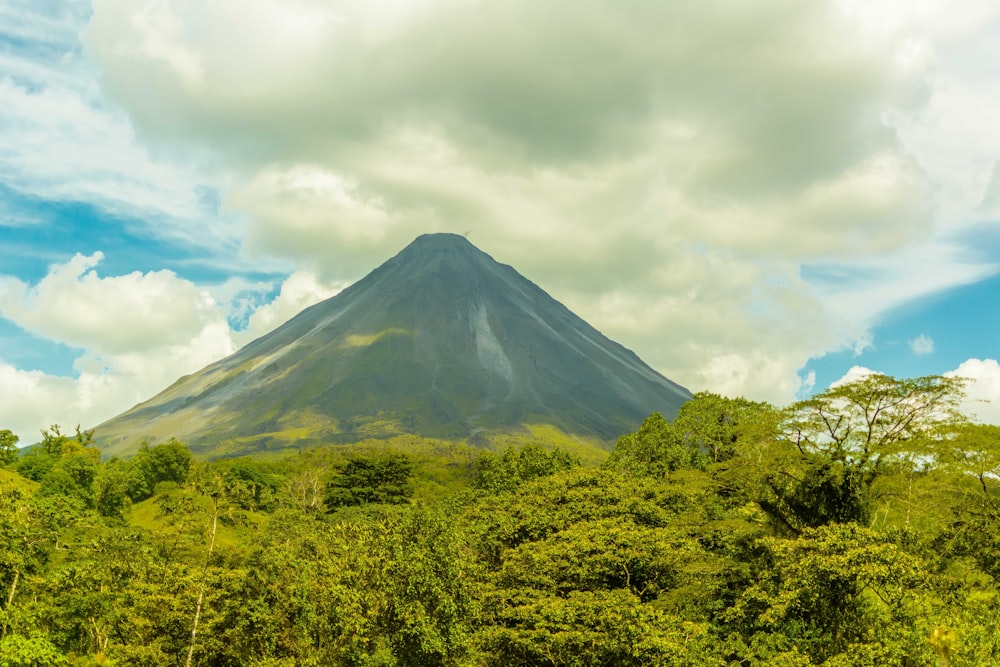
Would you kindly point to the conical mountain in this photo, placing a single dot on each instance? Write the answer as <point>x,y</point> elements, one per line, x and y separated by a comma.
<point>440,341</point>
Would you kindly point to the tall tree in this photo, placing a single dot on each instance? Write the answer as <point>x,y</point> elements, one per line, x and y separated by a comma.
<point>8,447</point>
<point>866,422</point>
<point>842,440</point>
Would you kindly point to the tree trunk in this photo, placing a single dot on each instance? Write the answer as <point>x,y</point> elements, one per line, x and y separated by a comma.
<point>10,599</point>
<point>204,582</point>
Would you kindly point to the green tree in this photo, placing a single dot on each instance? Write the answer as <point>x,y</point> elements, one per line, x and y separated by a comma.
<point>363,480</point>
<point>719,427</point>
<point>656,449</point>
<point>35,651</point>
<point>843,593</point>
<point>709,429</point>
<point>170,462</point>
<point>262,487</point>
<point>57,444</point>
<point>840,442</point>
<point>591,629</point>
<point>73,476</point>
<point>111,486</point>
<point>25,545</point>
<point>867,423</point>
<point>8,447</point>
<point>973,457</point>
<point>71,462</point>
<point>167,462</point>
<point>518,465</point>
<point>593,567</point>
<point>431,605</point>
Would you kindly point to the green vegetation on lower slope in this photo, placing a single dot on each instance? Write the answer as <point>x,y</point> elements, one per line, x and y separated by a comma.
<point>11,480</point>
<point>855,528</point>
<point>314,433</point>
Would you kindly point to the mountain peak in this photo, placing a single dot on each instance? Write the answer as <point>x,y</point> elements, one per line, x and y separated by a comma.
<point>439,241</point>
<point>434,248</point>
<point>439,341</point>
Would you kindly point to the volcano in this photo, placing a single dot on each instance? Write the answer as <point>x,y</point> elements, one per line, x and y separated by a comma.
<point>440,341</point>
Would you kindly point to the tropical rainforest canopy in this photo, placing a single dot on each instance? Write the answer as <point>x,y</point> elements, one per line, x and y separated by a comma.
<point>858,527</point>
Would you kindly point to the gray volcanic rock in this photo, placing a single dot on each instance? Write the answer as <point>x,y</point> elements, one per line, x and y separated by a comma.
<point>440,341</point>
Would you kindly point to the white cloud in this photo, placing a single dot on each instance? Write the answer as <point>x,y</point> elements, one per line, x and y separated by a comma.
<point>309,206</point>
<point>922,344</point>
<point>34,400</point>
<point>110,315</point>
<point>860,289</point>
<point>939,20</point>
<point>808,383</point>
<point>104,386</point>
<point>863,342</point>
<point>61,141</point>
<point>664,175</point>
<point>983,391</point>
<point>853,375</point>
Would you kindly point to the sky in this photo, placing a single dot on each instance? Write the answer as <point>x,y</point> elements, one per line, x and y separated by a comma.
<point>758,198</point>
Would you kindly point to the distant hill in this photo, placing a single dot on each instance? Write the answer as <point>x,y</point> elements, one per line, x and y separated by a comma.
<point>441,341</point>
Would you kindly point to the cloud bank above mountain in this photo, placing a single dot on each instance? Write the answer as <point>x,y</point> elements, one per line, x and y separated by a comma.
<point>730,191</point>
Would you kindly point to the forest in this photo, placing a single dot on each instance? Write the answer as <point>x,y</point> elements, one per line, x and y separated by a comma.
<point>857,527</point>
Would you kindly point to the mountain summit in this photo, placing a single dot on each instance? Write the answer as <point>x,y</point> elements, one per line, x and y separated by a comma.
<point>439,341</point>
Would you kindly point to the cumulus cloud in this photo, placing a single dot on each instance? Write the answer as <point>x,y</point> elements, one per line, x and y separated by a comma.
<point>922,344</point>
<point>853,375</point>
<point>983,391</point>
<point>715,323</point>
<point>103,386</point>
<point>34,400</point>
<point>61,141</point>
<point>110,315</point>
<point>953,139</point>
<point>139,332</point>
<point>664,169</point>
<point>368,119</point>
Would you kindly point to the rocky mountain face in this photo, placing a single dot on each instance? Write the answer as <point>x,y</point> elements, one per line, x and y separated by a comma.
<point>440,341</point>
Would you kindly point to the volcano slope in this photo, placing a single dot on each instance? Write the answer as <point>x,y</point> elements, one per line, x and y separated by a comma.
<point>440,341</point>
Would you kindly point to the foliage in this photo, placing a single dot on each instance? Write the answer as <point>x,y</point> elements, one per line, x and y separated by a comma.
<point>591,628</point>
<point>518,465</point>
<point>20,651</point>
<point>364,480</point>
<point>656,449</point>
<point>833,590</point>
<point>8,447</point>
<point>167,462</point>
<point>717,425</point>
<point>863,422</point>
<point>849,436</point>
<point>858,527</point>
<point>55,446</point>
<point>111,488</point>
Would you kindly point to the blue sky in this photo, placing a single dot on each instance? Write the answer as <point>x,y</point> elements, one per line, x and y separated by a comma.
<point>758,201</point>
<point>928,336</point>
